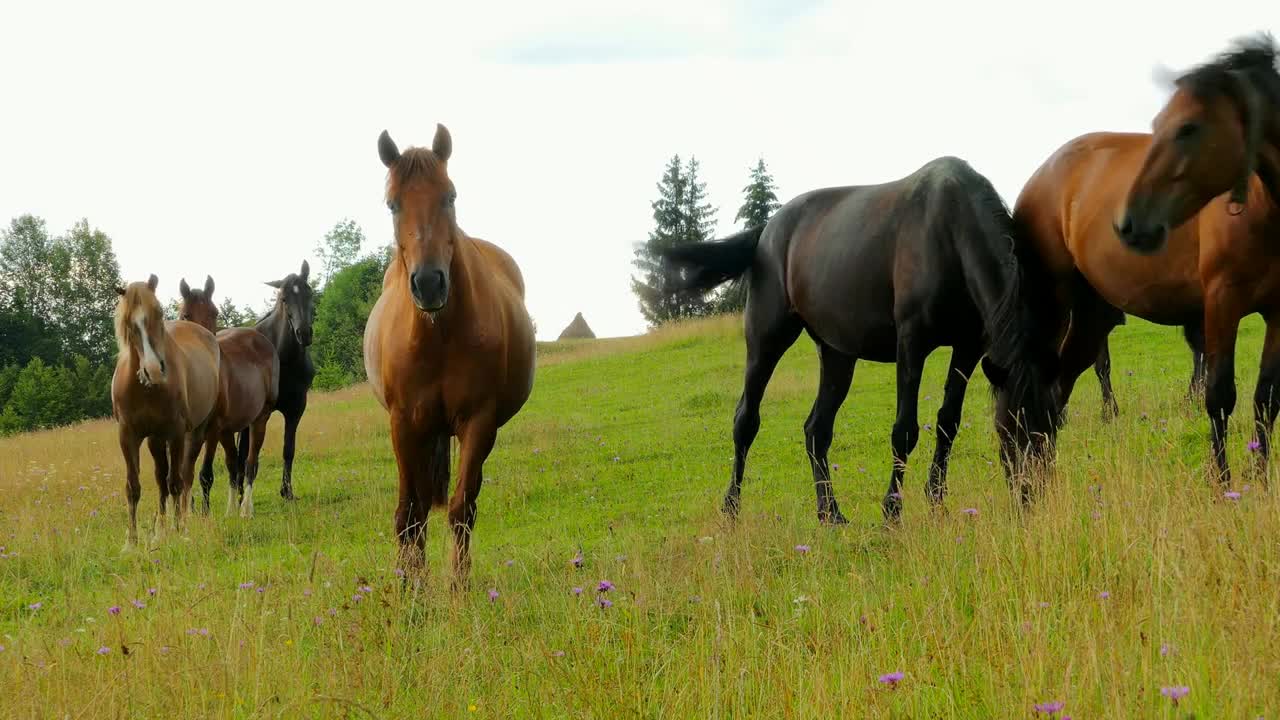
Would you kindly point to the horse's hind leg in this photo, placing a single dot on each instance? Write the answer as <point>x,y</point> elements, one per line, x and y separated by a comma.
<point>1194,334</point>
<point>1092,320</point>
<point>767,340</point>
<point>906,428</point>
<point>206,472</point>
<point>963,361</point>
<point>256,437</point>
<point>1102,367</point>
<point>833,387</point>
<point>1266,398</point>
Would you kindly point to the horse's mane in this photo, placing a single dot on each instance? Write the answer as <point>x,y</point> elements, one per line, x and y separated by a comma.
<point>1254,57</point>
<point>415,163</point>
<point>136,295</point>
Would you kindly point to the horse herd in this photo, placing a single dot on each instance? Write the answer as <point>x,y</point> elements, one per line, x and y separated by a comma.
<point>1180,226</point>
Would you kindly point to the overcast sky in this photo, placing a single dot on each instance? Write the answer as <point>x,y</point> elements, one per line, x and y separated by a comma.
<point>226,138</point>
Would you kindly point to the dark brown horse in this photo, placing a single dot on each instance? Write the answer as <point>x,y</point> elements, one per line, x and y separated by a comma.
<point>164,390</point>
<point>1219,133</point>
<point>888,273</point>
<point>288,328</point>
<point>449,347</point>
<point>247,389</point>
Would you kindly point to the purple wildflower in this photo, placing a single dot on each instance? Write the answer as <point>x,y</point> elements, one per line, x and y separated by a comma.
<point>892,679</point>
<point>104,650</point>
<point>137,604</point>
<point>306,592</point>
<point>1104,595</point>
<point>1050,708</point>
<point>365,589</point>
<point>1044,604</point>
<point>151,592</point>
<point>1165,649</point>
<point>604,586</point>
<point>1175,693</point>
<point>835,466</point>
<point>164,649</point>
<point>802,548</point>
<point>262,589</point>
<point>1253,447</point>
<point>577,591</point>
<point>1231,495</point>
<point>493,594</point>
<point>554,653</point>
<point>970,511</point>
<point>357,597</point>
<point>577,560</point>
<point>36,605</point>
<point>246,585</point>
<point>317,620</point>
<point>509,563</point>
<point>113,610</point>
<point>604,602</point>
<point>399,572</point>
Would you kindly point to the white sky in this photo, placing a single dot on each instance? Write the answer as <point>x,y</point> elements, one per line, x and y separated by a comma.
<point>226,138</point>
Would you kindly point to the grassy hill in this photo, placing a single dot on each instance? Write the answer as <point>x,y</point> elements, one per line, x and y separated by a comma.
<point>1133,574</point>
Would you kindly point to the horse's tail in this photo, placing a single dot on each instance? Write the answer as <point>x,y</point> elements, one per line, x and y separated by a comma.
<point>707,264</point>
<point>438,470</point>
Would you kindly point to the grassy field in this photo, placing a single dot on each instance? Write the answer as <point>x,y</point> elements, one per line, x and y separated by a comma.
<point>1132,575</point>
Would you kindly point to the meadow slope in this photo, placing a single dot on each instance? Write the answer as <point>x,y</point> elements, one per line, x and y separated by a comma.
<point>1131,575</point>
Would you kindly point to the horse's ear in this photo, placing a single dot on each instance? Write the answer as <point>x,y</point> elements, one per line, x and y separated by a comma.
<point>153,282</point>
<point>306,270</point>
<point>1165,77</point>
<point>120,290</point>
<point>995,374</point>
<point>276,283</point>
<point>184,289</point>
<point>387,150</point>
<point>208,287</point>
<point>442,145</point>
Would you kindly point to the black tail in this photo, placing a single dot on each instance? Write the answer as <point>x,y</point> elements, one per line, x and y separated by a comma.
<point>707,264</point>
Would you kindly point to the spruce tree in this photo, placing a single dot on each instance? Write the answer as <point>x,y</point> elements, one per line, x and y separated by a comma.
<point>759,203</point>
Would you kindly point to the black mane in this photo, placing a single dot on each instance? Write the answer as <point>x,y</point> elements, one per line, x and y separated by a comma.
<point>1254,57</point>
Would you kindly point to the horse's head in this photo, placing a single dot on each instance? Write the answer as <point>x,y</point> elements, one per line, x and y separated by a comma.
<point>1205,141</point>
<point>421,197</point>
<point>197,305</point>
<point>295,298</point>
<point>139,326</point>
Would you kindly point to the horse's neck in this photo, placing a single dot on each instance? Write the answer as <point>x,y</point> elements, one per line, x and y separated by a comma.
<point>275,326</point>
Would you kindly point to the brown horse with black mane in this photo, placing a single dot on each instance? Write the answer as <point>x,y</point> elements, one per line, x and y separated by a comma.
<point>449,346</point>
<point>1220,133</point>
<point>1164,191</point>
<point>247,390</point>
<point>164,390</point>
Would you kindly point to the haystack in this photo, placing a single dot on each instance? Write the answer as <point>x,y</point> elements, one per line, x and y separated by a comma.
<point>578,330</point>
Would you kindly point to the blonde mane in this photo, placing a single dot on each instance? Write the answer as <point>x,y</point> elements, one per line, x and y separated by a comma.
<point>136,296</point>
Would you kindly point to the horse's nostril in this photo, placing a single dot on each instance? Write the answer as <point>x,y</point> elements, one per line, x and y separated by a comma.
<point>1126,227</point>
<point>162,366</point>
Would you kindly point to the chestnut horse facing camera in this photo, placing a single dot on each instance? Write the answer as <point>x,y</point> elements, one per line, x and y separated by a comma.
<point>164,390</point>
<point>1220,133</point>
<point>449,347</point>
<point>249,381</point>
<point>1215,268</point>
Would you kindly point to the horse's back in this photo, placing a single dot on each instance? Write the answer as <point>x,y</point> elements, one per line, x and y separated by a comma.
<point>251,370</point>
<point>201,367</point>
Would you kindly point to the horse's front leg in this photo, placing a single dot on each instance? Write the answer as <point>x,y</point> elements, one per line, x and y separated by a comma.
<point>1222,322</point>
<point>475,439</point>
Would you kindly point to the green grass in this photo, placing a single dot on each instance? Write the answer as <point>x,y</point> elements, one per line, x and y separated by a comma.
<point>624,452</point>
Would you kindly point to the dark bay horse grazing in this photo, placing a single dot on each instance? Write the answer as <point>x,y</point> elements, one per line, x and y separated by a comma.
<point>164,390</point>
<point>288,328</point>
<point>249,380</point>
<point>449,347</point>
<point>1218,133</point>
<point>888,273</point>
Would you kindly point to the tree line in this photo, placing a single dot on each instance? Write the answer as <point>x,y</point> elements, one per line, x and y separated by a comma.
<point>683,214</point>
<point>58,299</point>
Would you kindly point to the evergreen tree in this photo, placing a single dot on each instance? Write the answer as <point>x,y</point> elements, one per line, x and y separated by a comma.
<point>759,203</point>
<point>681,215</point>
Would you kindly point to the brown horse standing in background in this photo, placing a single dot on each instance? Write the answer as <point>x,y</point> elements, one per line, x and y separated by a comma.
<point>249,382</point>
<point>1217,267</point>
<point>164,390</point>
<point>1220,133</point>
<point>449,346</point>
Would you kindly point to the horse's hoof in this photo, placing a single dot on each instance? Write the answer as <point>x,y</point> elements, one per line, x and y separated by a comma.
<point>832,517</point>
<point>287,494</point>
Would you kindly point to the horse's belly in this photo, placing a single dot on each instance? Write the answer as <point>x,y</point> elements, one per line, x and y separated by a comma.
<point>1162,288</point>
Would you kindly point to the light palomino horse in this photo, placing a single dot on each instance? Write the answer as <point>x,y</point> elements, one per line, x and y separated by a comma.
<point>164,390</point>
<point>449,347</point>
<point>247,390</point>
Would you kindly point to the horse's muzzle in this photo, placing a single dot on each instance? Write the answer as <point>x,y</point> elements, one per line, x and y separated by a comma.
<point>1141,238</point>
<point>430,288</point>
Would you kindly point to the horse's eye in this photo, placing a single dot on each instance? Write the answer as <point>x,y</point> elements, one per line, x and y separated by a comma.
<point>451,198</point>
<point>1187,131</point>
<point>393,206</point>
